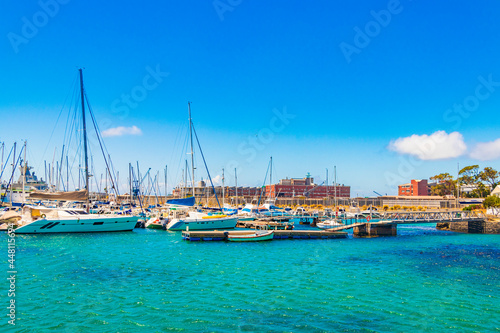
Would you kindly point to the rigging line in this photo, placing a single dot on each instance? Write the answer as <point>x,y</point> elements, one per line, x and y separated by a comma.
<point>54,128</point>
<point>104,150</point>
<point>77,155</point>
<point>181,156</point>
<point>12,176</point>
<point>179,129</point>
<point>206,167</point>
<point>154,188</point>
<point>72,179</point>
<point>5,165</point>
<point>138,191</point>
<point>114,172</point>
<point>92,170</point>
<point>101,145</point>
<point>263,185</point>
<point>73,128</point>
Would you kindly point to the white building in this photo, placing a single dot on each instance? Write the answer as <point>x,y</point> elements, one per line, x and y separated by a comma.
<point>496,191</point>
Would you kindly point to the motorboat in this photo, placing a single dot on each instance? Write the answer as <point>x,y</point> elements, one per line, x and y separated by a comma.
<point>253,236</point>
<point>41,220</point>
<point>329,224</point>
<point>202,221</point>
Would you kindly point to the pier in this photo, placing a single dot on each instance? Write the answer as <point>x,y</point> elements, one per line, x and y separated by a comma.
<point>221,235</point>
<point>386,224</point>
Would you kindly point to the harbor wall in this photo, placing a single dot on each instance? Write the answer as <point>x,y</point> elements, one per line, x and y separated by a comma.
<point>471,227</point>
<point>375,230</point>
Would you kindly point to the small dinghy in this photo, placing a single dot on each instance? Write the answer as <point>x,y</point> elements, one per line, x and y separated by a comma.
<point>254,236</point>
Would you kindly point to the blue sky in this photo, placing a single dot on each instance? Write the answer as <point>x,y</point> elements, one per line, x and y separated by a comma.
<point>351,79</point>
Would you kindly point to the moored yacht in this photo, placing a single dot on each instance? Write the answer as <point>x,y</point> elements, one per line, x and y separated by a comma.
<point>202,221</point>
<point>41,220</point>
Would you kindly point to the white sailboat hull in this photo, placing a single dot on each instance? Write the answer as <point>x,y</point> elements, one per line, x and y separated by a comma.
<point>89,223</point>
<point>202,224</point>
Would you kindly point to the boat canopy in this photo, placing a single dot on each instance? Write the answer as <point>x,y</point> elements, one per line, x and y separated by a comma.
<point>62,196</point>
<point>182,202</point>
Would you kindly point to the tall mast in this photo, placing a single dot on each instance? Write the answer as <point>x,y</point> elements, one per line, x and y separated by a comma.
<point>236,186</point>
<point>327,182</point>
<point>130,182</point>
<point>166,183</point>
<point>24,170</point>
<point>271,172</point>
<point>183,184</point>
<point>139,182</point>
<point>157,186</point>
<point>186,179</point>
<point>271,177</point>
<point>67,174</point>
<point>1,168</point>
<point>191,135</point>
<point>458,183</point>
<point>335,187</point>
<point>82,93</point>
<point>13,170</point>
<point>223,188</point>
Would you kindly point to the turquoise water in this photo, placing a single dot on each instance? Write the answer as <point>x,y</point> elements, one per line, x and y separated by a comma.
<point>152,281</point>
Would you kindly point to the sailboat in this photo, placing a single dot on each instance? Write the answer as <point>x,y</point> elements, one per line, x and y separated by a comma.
<point>199,220</point>
<point>42,220</point>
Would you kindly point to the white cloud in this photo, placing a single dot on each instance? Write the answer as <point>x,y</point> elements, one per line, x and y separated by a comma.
<point>217,180</point>
<point>486,151</point>
<point>439,145</point>
<point>121,130</point>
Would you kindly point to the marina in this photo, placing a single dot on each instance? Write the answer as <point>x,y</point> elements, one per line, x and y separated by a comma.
<point>243,166</point>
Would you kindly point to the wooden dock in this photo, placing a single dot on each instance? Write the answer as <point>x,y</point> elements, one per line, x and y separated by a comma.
<point>221,235</point>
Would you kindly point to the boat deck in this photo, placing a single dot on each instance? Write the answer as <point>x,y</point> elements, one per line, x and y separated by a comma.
<point>265,224</point>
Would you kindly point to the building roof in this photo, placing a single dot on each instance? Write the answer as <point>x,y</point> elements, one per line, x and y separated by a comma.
<point>496,191</point>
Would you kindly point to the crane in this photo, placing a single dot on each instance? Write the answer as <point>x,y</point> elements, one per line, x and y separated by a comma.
<point>306,194</point>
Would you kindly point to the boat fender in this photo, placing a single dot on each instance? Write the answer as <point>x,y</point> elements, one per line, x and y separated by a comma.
<point>43,216</point>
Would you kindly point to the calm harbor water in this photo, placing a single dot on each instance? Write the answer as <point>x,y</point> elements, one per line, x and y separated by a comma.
<point>153,281</point>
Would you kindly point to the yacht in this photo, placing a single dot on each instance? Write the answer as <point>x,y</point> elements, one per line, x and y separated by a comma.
<point>329,224</point>
<point>39,219</point>
<point>202,221</point>
<point>42,220</point>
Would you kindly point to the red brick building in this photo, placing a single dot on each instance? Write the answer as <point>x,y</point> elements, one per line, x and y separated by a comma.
<point>305,187</point>
<point>415,188</point>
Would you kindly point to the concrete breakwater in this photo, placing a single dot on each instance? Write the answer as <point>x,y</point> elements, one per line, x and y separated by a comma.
<point>471,227</point>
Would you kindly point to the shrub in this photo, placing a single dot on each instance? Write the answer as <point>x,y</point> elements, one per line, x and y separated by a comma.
<point>491,201</point>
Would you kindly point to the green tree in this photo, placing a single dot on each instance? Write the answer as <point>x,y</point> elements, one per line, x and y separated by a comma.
<point>445,184</point>
<point>491,201</point>
<point>490,176</point>
<point>469,175</point>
